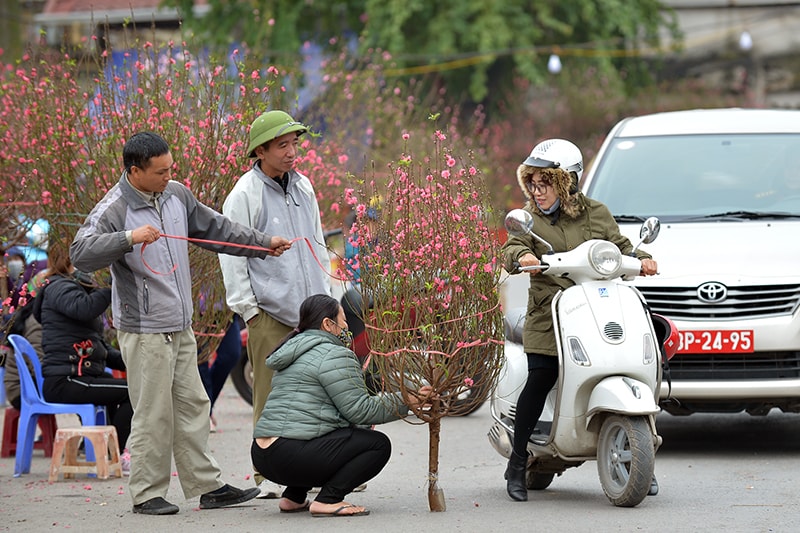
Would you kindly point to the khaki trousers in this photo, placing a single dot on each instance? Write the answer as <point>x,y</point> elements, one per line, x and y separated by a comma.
<point>170,416</point>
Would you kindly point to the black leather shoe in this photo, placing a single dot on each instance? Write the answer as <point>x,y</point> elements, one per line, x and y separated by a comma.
<point>515,475</point>
<point>227,495</point>
<point>653,487</point>
<point>156,506</point>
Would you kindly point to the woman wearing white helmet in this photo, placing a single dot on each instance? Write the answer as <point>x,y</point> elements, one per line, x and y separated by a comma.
<point>565,218</point>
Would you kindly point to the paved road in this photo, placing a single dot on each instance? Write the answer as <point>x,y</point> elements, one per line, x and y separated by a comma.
<point>732,473</point>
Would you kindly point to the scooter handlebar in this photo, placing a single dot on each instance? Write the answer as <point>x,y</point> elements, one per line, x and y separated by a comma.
<point>541,266</point>
<point>532,267</point>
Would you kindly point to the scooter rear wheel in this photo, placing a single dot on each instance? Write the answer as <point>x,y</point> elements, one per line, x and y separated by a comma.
<point>625,459</point>
<point>535,481</point>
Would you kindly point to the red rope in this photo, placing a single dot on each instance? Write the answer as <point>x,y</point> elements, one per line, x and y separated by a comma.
<point>464,345</point>
<point>409,350</point>
<point>223,243</point>
<point>481,313</point>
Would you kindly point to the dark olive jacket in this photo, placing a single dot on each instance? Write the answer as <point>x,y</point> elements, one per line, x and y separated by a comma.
<point>594,221</point>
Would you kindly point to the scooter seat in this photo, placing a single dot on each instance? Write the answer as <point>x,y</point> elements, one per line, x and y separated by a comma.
<point>514,323</point>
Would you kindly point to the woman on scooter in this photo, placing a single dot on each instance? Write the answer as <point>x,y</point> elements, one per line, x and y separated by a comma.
<point>565,218</point>
<point>308,434</point>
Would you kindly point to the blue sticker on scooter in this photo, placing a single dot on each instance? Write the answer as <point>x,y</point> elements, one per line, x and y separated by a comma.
<point>603,291</point>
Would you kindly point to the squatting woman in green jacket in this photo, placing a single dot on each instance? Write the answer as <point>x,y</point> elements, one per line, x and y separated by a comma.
<point>307,435</point>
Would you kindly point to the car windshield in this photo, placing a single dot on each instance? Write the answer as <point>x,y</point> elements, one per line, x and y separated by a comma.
<point>700,177</point>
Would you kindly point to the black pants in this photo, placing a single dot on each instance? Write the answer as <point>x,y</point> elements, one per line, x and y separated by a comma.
<point>542,375</point>
<point>337,462</point>
<point>99,390</point>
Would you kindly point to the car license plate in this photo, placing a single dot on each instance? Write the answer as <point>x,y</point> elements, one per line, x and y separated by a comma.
<point>725,341</point>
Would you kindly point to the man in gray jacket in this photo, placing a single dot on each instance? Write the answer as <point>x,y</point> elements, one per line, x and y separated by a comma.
<point>152,311</point>
<point>274,198</point>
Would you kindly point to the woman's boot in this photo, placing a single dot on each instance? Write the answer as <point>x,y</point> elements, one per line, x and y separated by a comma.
<point>515,475</point>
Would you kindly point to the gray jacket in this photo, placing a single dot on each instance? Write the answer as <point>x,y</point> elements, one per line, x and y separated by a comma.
<point>147,295</point>
<point>276,286</point>
<point>318,387</point>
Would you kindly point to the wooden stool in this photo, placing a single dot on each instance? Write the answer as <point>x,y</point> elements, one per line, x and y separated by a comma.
<point>47,424</point>
<point>106,451</point>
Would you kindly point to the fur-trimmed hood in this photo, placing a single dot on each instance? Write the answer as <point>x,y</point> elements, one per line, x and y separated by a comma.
<point>562,181</point>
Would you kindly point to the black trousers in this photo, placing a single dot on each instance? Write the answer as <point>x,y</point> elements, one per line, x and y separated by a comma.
<point>337,462</point>
<point>542,375</point>
<point>99,390</point>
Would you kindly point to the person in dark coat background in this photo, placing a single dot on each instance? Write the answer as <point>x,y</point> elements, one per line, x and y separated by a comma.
<point>70,309</point>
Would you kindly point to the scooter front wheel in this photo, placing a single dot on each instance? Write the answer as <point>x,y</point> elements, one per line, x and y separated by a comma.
<point>625,459</point>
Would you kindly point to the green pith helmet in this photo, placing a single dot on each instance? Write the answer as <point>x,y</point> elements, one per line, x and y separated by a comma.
<point>271,125</point>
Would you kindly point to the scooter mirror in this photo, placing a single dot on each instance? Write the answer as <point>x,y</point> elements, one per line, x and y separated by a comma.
<point>647,233</point>
<point>519,222</point>
<point>650,229</point>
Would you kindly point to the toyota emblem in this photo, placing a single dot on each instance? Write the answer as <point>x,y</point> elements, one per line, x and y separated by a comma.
<point>712,292</point>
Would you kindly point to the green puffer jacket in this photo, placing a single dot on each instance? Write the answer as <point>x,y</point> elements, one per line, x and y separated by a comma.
<point>318,387</point>
<point>593,222</point>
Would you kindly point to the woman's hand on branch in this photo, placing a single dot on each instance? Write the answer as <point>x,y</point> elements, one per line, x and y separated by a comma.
<point>421,398</point>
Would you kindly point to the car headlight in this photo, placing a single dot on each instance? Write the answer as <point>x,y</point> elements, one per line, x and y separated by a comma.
<point>605,258</point>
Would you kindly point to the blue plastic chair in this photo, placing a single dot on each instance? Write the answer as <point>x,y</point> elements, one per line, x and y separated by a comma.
<point>32,405</point>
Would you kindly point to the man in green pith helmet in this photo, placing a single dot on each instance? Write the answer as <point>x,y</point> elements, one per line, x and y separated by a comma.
<point>265,293</point>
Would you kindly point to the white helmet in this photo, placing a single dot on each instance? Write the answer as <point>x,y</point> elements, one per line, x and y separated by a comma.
<point>556,153</point>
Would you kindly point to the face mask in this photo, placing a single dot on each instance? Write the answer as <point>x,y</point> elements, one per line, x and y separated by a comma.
<point>346,336</point>
<point>15,268</point>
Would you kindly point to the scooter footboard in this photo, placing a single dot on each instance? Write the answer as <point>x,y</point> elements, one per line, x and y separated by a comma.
<point>621,394</point>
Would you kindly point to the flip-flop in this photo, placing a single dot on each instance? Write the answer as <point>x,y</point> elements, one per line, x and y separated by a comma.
<point>338,512</point>
<point>300,509</point>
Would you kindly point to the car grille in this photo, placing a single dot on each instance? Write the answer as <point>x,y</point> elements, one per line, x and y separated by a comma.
<point>756,301</point>
<point>740,366</point>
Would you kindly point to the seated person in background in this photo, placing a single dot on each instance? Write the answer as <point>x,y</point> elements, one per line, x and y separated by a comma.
<point>18,279</point>
<point>70,309</point>
<point>22,322</point>
<point>19,284</point>
<point>307,436</point>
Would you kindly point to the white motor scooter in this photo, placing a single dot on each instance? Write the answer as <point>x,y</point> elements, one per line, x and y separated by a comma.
<point>604,404</point>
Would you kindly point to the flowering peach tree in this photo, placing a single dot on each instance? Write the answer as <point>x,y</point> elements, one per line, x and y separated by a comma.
<point>429,265</point>
<point>64,121</point>
<point>429,279</point>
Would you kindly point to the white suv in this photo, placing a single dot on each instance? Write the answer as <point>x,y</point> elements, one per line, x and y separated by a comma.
<point>725,184</point>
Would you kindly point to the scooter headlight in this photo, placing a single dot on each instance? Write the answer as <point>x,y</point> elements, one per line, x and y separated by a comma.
<point>605,258</point>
